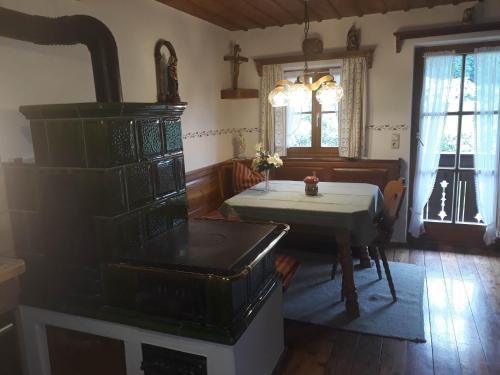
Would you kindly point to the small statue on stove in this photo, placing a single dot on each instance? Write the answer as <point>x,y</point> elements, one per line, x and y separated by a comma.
<point>167,82</point>
<point>311,184</point>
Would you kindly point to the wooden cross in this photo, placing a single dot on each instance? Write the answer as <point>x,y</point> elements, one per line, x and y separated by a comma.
<point>236,59</point>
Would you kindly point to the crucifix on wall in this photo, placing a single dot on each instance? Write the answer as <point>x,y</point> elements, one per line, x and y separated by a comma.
<point>234,92</point>
<point>236,60</point>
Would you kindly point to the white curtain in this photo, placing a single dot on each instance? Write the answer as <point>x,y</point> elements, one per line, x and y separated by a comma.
<point>272,120</point>
<point>353,106</point>
<point>438,75</point>
<point>486,126</point>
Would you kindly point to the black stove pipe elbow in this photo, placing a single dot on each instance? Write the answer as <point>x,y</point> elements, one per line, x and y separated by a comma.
<point>70,30</point>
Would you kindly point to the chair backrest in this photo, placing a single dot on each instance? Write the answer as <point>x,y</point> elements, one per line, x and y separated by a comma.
<point>394,193</point>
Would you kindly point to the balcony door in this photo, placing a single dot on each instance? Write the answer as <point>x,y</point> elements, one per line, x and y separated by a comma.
<point>451,214</point>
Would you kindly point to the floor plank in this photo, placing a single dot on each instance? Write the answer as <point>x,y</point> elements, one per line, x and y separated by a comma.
<point>483,311</point>
<point>343,354</point>
<point>419,355</point>
<point>393,361</point>
<point>470,349</point>
<point>444,346</point>
<point>310,349</point>
<point>367,355</point>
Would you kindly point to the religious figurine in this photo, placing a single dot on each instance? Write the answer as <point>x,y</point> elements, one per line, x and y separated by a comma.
<point>236,59</point>
<point>167,82</point>
<point>468,16</point>
<point>353,38</point>
<point>239,144</point>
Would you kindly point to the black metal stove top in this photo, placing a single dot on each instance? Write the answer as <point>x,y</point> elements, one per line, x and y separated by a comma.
<point>211,245</point>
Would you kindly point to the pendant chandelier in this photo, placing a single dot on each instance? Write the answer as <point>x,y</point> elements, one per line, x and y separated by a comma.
<point>295,93</point>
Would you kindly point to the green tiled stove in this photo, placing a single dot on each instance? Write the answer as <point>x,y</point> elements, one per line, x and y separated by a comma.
<point>101,221</point>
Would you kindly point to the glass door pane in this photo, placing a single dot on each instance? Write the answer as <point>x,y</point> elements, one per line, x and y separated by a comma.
<point>466,205</point>
<point>469,97</point>
<point>440,205</point>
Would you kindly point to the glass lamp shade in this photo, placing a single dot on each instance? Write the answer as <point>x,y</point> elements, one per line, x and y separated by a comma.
<point>278,97</point>
<point>329,92</point>
<point>299,94</point>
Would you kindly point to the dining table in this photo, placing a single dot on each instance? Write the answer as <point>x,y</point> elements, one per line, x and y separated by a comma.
<point>347,209</point>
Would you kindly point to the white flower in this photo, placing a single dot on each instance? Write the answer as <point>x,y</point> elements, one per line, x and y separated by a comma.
<point>279,162</point>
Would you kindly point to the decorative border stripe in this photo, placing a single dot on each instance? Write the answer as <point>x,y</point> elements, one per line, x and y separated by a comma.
<point>207,133</point>
<point>388,127</point>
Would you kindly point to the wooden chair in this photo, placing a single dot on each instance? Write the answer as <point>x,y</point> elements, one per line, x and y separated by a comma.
<point>394,193</point>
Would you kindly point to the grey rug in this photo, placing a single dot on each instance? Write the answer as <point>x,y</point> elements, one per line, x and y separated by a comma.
<point>313,298</point>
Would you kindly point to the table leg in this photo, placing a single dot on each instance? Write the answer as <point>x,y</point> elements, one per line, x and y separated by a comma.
<point>343,238</point>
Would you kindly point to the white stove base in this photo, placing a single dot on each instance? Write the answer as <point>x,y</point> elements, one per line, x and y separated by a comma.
<point>256,352</point>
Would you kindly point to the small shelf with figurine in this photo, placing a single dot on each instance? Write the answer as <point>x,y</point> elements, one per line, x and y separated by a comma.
<point>234,92</point>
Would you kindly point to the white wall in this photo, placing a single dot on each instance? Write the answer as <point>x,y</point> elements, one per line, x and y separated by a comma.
<point>390,79</point>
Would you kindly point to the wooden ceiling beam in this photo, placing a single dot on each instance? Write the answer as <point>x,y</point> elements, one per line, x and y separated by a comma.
<point>314,14</point>
<point>234,15</point>
<point>385,7</point>
<point>334,9</point>
<point>357,7</point>
<point>250,14</point>
<point>285,10</point>
<point>238,12</point>
<point>188,7</point>
<point>276,21</point>
<point>272,7</point>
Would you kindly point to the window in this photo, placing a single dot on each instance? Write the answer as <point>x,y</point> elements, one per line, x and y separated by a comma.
<point>312,130</point>
<point>453,199</point>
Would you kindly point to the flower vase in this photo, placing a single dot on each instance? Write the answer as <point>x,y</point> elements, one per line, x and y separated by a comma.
<point>266,180</point>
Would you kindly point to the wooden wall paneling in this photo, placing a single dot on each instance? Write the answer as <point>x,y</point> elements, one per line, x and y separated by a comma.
<point>375,176</point>
<point>204,190</point>
<point>208,187</point>
<point>298,172</point>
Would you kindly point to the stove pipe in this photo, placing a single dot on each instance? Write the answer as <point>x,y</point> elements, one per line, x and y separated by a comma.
<point>70,30</point>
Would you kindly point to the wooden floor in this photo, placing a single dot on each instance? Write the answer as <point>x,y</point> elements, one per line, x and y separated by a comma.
<point>462,326</point>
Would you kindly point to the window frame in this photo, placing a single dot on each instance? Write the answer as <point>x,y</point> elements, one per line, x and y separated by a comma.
<point>316,117</point>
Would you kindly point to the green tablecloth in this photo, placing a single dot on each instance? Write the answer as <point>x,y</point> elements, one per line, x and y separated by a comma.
<point>351,206</point>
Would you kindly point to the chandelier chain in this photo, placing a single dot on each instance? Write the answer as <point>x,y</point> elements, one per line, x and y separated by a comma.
<point>306,32</point>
